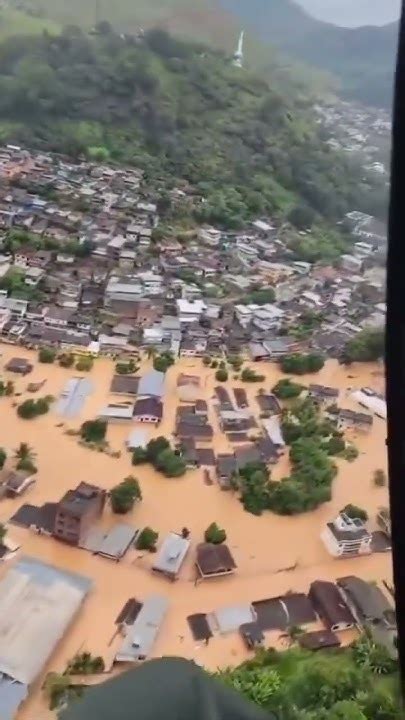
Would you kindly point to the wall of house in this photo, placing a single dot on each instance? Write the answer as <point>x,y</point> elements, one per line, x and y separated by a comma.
<point>346,547</point>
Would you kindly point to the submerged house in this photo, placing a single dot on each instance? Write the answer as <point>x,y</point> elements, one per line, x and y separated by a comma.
<point>330,605</point>
<point>171,555</point>
<point>141,635</point>
<point>214,561</point>
<point>345,537</point>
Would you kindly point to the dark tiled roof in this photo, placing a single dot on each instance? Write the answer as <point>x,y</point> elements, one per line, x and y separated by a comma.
<point>199,626</point>
<point>128,385</point>
<point>329,603</point>
<point>318,640</point>
<point>148,406</point>
<point>185,429</point>
<point>76,502</point>
<point>213,559</point>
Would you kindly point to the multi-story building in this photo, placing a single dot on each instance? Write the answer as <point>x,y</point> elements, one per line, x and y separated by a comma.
<point>345,537</point>
<point>77,511</point>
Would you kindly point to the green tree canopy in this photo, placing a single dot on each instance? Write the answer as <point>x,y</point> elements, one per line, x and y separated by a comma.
<point>214,534</point>
<point>93,430</point>
<point>366,346</point>
<point>124,495</point>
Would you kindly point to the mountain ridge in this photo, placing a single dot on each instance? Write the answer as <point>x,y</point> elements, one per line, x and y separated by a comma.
<point>362,58</point>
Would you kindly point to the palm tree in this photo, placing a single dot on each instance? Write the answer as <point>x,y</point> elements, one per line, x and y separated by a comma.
<point>25,452</point>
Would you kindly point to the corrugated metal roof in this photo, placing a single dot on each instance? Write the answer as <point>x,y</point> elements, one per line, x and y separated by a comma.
<point>142,635</point>
<point>73,397</point>
<point>37,603</point>
<point>151,384</point>
<point>12,694</point>
<point>172,554</point>
<point>117,541</point>
<point>117,412</point>
<point>230,618</point>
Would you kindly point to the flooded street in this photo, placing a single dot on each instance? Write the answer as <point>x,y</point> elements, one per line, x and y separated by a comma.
<point>274,554</point>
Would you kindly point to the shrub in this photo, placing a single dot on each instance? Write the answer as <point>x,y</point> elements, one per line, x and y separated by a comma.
<point>3,457</point>
<point>350,452</point>
<point>380,478</point>
<point>126,368</point>
<point>93,430</point>
<point>354,512</point>
<point>147,539</point>
<point>163,361</point>
<point>334,446</point>
<point>67,360</point>
<point>46,355</point>
<point>56,687</point>
<point>206,360</point>
<point>214,364</point>
<point>139,456</point>
<point>124,495</point>
<point>214,534</point>
<point>85,664</point>
<point>236,361</point>
<point>286,389</point>
<point>221,375</point>
<point>84,364</point>
<point>249,375</point>
<point>32,408</point>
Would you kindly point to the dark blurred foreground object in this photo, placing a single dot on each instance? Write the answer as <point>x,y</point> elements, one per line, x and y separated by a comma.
<point>395,347</point>
<point>166,689</point>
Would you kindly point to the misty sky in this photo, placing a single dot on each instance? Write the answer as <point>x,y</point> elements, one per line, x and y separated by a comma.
<point>352,13</point>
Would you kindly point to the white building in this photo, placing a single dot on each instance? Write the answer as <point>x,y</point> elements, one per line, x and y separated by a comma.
<point>189,311</point>
<point>351,263</point>
<point>345,537</point>
<point>209,235</point>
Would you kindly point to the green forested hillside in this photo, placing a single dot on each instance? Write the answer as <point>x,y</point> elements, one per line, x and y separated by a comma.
<point>362,59</point>
<point>178,111</point>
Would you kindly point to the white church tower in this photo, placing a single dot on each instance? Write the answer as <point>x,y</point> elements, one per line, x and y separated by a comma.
<point>238,57</point>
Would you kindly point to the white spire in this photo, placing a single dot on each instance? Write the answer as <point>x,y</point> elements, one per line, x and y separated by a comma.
<point>238,57</point>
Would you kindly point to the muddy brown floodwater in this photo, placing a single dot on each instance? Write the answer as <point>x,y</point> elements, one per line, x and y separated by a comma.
<point>264,547</point>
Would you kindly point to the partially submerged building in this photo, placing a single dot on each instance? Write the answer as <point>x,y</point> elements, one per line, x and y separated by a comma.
<point>171,555</point>
<point>331,607</point>
<point>19,366</point>
<point>141,636</point>
<point>148,410</point>
<point>214,561</point>
<point>124,385</point>
<point>14,483</point>
<point>77,511</point>
<point>152,384</point>
<point>37,604</point>
<point>345,537</point>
